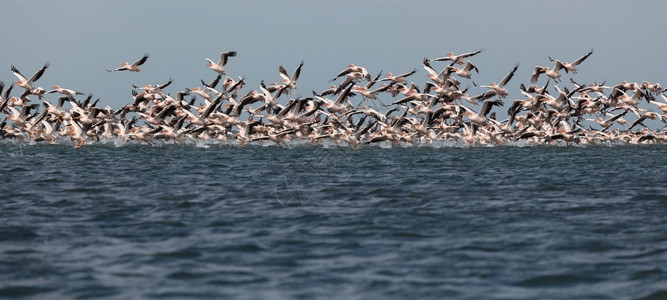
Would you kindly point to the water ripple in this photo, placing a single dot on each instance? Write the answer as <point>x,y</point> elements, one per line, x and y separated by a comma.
<point>328,222</point>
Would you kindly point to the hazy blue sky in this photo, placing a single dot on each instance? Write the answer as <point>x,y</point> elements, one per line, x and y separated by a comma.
<point>83,38</point>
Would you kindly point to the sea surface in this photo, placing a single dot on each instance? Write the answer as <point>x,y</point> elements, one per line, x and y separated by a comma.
<point>330,222</point>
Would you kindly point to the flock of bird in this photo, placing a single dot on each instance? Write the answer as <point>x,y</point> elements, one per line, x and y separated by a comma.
<point>388,108</point>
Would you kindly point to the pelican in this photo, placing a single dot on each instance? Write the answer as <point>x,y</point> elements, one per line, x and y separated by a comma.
<point>201,93</point>
<point>352,68</point>
<point>350,78</point>
<point>280,138</point>
<point>218,67</point>
<point>134,67</point>
<point>67,92</point>
<point>608,122</point>
<point>643,117</point>
<point>479,118</point>
<point>289,82</point>
<point>367,93</point>
<point>655,88</point>
<point>203,117</point>
<point>572,67</point>
<point>463,72</point>
<point>412,93</point>
<point>551,73</point>
<point>77,132</point>
<point>398,78</point>
<point>457,59</point>
<point>27,83</point>
<point>499,89</point>
<point>631,100</point>
<point>368,112</point>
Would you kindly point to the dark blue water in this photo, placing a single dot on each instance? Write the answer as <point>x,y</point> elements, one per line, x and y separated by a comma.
<point>310,222</point>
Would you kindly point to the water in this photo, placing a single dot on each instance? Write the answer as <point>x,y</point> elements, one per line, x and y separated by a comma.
<point>261,222</point>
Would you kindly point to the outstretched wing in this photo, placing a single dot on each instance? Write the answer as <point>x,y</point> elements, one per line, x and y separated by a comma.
<point>581,59</point>
<point>297,72</point>
<point>141,61</point>
<point>225,55</point>
<point>18,74</point>
<point>509,76</point>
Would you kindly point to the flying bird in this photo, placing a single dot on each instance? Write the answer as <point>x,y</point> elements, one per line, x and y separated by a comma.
<point>134,67</point>
<point>27,83</point>
<point>572,67</point>
<point>218,67</point>
<point>457,59</point>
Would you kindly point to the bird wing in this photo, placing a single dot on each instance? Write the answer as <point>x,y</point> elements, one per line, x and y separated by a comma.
<point>283,73</point>
<point>488,104</point>
<point>166,84</point>
<point>536,73</point>
<point>469,66</point>
<point>225,55</point>
<point>141,61</point>
<point>638,121</point>
<point>408,73</point>
<point>428,68</point>
<point>508,76</point>
<point>464,55</point>
<point>581,59</point>
<point>297,72</point>
<point>18,74</point>
<point>374,80</point>
<point>404,100</point>
<point>558,65</point>
<point>213,83</point>
<point>39,73</point>
<point>209,109</point>
<point>341,98</point>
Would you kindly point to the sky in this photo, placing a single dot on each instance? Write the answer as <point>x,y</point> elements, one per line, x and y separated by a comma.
<point>81,39</point>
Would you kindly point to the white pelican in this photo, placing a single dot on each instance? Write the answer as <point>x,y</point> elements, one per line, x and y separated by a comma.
<point>68,92</point>
<point>412,93</point>
<point>551,73</point>
<point>368,112</point>
<point>201,93</point>
<point>572,67</point>
<point>218,67</point>
<point>280,138</point>
<point>464,72</point>
<point>432,74</point>
<point>620,120</point>
<point>457,59</point>
<point>608,122</point>
<point>159,118</point>
<point>645,115</point>
<point>289,82</point>
<point>134,67</point>
<point>655,88</point>
<point>350,78</point>
<point>340,105</point>
<point>202,118</point>
<point>352,68</point>
<point>366,93</point>
<point>398,78</point>
<point>27,83</point>
<point>479,118</point>
<point>631,100</point>
<point>499,89</point>
<point>77,132</point>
